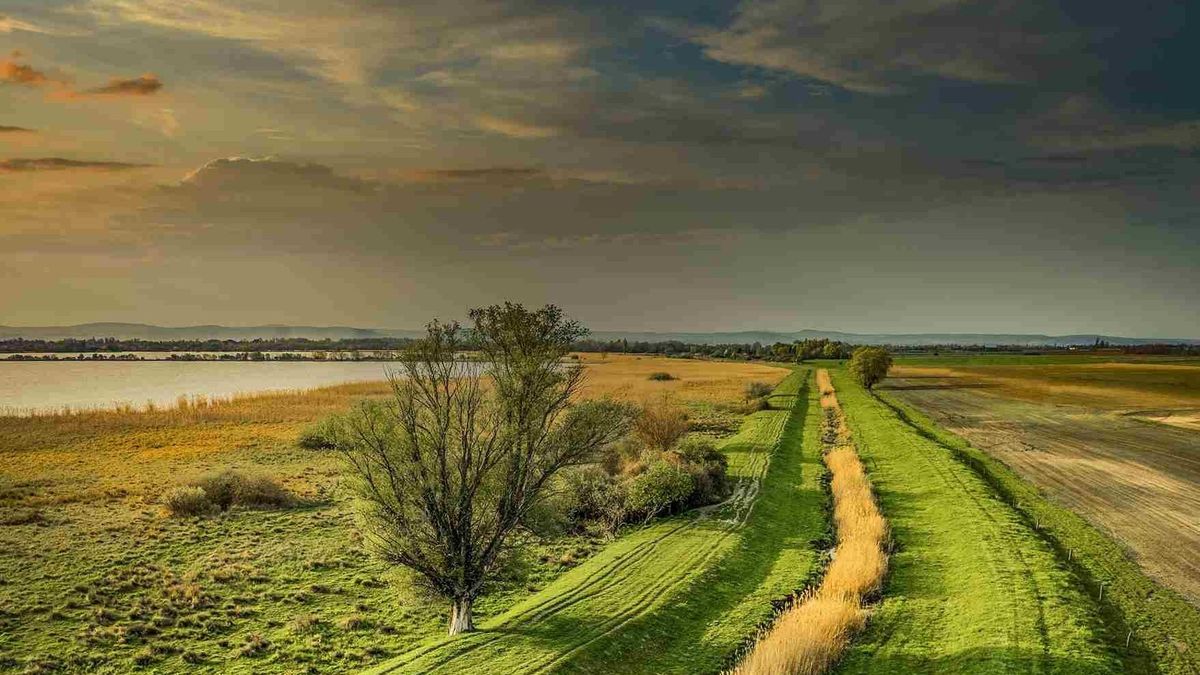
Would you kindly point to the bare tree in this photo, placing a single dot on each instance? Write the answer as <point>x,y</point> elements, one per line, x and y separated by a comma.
<point>449,467</point>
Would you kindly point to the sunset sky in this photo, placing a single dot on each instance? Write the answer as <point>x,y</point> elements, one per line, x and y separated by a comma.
<point>924,166</point>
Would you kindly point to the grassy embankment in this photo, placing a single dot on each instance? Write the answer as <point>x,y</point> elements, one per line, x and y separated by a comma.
<point>680,595</point>
<point>1153,627</point>
<point>95,578</point>
<point>971,588</point>
<point>812,634</point>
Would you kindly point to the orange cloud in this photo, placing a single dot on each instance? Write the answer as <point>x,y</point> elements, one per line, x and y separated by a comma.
<point>23,74</point>
<point>12,72</point>
<point>138,86</point>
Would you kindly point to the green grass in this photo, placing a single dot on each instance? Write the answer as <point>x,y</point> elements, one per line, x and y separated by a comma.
<point>972,588</point>
<point>681,595</point>
<point>1162,628</point>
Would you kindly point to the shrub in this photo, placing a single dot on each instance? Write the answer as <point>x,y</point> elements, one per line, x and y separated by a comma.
<point>319,436</point>
<point>755,390</point>
<point>261,492</point>
<point>221,488</point>
<point>662,377</point>
<point>660,426</point>
<point>708,467</point>
<point>661,488</point>
<point>188,500</point>
<point>597,496</point>
<point>220,492</point>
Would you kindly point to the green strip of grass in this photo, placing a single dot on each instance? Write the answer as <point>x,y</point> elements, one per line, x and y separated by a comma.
<point>680,595</point>
<point>972,589</point>
<point>1163,629</point>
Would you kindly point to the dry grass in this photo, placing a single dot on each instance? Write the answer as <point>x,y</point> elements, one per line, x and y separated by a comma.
<point>627,376</point>
<point>811,636</point>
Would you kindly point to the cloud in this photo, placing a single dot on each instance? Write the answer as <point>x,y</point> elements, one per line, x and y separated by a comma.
<point>62,164</point>
<point>514,128</point>
<point>246,174</point>
<point>9,24</point>
<point>486,174</point>
<point>24,74</point>
<point>879,47</point>
<point>144,85</point>
<point>16,130</point>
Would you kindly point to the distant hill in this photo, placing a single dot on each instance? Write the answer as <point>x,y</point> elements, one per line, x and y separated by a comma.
<point>139,331</point>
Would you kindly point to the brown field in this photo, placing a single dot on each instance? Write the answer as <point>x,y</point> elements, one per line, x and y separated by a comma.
<point>1090,437</point>
<point>628,376</point>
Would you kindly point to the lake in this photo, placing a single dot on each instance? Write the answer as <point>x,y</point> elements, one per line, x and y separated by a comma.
<point>44,386</point>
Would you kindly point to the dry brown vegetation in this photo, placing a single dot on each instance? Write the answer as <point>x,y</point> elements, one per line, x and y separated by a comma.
<point>812,635</point>
<point>1080,433</point>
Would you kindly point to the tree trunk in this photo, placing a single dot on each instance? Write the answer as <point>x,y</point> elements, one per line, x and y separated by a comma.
<point>460,616</point>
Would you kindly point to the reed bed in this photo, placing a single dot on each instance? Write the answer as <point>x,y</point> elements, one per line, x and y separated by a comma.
<point>812,634</point>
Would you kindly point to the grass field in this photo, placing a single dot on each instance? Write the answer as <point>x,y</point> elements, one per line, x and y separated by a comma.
<point>95,578</point>
<point>972,588</point>
<point>1083,435</point>
<point>680,595</point>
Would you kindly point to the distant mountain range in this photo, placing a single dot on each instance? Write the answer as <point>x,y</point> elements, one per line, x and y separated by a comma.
<point>137,331</point>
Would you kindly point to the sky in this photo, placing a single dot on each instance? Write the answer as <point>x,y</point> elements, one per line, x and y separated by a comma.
<point>857,165</point>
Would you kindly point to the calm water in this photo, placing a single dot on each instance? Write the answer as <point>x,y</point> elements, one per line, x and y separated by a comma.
<point>54,385</point>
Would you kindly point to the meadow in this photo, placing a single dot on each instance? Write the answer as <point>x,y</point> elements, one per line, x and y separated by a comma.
<point>94,577</point>
<point>680,595</point>
<point>867,532</point>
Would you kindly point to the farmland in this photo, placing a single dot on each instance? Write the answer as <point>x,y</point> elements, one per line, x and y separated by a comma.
<point>1114,442</point>
<point>94,577</point>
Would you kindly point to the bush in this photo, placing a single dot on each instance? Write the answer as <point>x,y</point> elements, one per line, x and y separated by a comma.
<point>595,495</point>
<point>222,491</point>
<point>662,377</point>
<point>660,426</point>
<point>261,492</point>
<point>319,436</point>
<point>188,500</point>
<point>660,489</point>
<point>221,488</point>
<point>708,467</point>
<point>758,390</point>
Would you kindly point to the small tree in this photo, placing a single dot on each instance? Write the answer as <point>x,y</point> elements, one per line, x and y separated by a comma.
<point>457,458</point>
<point>870,365</point>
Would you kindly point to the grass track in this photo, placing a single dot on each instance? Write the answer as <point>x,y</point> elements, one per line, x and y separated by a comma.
<point>972,588</point>
<point>680,595</point>
<point>1163,629</point>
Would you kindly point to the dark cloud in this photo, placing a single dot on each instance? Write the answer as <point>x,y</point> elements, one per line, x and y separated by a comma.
<point>144,85</point>
<point>233,175</point>
<point>880,47</point>
<point>16,130</point>
<point>500,173</point>
<point>61,164</point>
